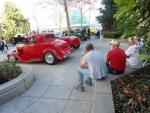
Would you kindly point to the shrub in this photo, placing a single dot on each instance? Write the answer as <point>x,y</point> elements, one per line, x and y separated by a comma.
<point>8,71</point>
<point>114,35</point>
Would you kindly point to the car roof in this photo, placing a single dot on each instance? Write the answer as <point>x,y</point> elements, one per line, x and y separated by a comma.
<point>38,34</point>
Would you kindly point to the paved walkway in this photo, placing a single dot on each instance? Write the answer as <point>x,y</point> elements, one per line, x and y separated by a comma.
<point>3,55</point>
<point>53,90</point>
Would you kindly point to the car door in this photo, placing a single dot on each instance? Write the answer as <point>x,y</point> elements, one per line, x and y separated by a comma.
<point>32,49</point>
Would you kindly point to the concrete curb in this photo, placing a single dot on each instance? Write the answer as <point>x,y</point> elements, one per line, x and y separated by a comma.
<point>16,86</point>
<point>102,101</point>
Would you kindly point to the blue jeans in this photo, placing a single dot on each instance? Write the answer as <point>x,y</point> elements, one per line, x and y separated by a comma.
<point>81,73</point>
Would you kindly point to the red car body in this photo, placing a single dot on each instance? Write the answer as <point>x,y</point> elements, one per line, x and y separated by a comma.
<point>42,47</point>
<point>71,40</point>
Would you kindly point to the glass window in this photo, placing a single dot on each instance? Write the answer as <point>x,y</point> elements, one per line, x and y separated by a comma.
<point>32,40</point>
<point>50,36</point>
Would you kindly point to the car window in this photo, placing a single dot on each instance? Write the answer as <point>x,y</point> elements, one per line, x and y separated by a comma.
<point>50,36</point>
<point>32,40</point>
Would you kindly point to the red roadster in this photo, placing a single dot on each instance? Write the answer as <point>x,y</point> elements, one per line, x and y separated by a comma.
<point>71,40</point>
<point>42,47</point>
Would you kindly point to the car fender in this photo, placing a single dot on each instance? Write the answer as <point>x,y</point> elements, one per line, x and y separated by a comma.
<point>57,54</point>
<point>15,54</point>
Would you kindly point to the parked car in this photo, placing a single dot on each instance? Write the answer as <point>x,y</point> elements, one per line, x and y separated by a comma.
<point>73,41</point>
<point>42,47</point>
<point>17,39</point>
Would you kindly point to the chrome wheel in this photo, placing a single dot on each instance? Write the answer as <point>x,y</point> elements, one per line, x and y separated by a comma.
<point>49,58</point>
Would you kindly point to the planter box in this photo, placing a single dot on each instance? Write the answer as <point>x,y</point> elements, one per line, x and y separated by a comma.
<point>16,86</point>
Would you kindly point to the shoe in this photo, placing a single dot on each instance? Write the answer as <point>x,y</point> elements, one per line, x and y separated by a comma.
<point>79,88</point>
<point>100,79</point>
<point>89,82</point>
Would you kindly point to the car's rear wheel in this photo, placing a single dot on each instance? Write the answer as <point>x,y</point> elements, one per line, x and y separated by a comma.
<point>50,58</point>
<point>77,46</point>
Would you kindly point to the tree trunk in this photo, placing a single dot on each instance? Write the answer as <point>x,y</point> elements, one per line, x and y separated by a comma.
<point>67,16</point>
<point>81,13</point>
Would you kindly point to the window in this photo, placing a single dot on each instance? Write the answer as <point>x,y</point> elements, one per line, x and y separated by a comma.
<point>50,36</point>
<point>32,40</point>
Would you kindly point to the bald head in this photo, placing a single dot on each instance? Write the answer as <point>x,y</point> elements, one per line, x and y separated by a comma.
<point>114,44</point>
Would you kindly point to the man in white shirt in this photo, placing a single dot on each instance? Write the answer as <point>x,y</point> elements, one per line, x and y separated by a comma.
<point>93,65</point>
<point>133,56</point>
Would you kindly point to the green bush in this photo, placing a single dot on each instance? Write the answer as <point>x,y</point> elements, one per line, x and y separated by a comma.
<point>8,71</point>
<point>114,35</point>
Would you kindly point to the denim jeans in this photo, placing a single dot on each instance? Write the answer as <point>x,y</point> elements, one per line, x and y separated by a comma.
<point>81,73</point>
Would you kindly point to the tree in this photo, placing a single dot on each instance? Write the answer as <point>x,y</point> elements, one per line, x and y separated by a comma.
<point>106,18</point>
<point>13,22</point>
<point>133,18</point>
<point>126,17</point>
<point>66,4</point>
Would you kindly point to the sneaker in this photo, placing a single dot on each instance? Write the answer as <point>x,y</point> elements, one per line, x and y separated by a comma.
<point>79,88</point>
<point>100,79</point>
<point>89,82</point>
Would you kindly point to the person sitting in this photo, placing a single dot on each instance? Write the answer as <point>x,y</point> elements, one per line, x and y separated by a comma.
<point>116,58</point>
<point>133,55</point>
<point>91,64</point>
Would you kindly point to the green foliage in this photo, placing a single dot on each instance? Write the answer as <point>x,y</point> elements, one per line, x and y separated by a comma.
<point>133,18</point>
<point>126,17</point>
<point>8,71</point>
<point>106,19</point>
<point>13,22</point>
<point>114,35</point>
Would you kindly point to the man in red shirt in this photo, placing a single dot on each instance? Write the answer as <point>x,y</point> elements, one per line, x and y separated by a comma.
<point>116,59</point>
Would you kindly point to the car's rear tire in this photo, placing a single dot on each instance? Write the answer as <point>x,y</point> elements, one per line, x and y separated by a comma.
<point>77,46</point>
<point>50,58</point>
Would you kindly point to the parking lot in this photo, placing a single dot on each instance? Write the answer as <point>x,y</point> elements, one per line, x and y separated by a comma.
<point>53,90</point>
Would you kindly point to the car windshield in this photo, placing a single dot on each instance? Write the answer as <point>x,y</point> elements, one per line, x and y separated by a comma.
<point>31,40</point>
<point>49,36</point>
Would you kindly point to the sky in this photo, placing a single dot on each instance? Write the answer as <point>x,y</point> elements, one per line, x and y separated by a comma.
<point>48,17</point>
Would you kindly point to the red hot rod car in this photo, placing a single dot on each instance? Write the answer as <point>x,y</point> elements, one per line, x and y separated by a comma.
<point>42,47</point>
<point>73,41</point>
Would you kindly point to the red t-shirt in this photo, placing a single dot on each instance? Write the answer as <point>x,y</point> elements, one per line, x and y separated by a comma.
<point>116,58</point>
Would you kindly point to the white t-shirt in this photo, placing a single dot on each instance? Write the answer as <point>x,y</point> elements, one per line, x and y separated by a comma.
<point>134,58</point>
<point>96,64</point>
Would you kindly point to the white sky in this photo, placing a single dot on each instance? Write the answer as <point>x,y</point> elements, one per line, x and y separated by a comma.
<point>45,17</point>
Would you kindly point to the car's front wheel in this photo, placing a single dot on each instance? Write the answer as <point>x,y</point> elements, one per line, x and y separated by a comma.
<point>50,58</point>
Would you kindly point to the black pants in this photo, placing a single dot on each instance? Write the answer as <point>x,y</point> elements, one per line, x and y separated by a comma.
<point>2,47</point>
<point>113,71</point>
<point>6,46</point>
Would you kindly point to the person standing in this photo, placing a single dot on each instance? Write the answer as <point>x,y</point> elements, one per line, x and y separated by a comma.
<point>116,58</point>
<point>4,43</point>
<point>88,32</point>
<point>93,65</point>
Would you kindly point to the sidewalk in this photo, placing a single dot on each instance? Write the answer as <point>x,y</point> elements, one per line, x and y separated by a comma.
<point>53,90</point>
<point>103,100</point>
<point>3,55</point>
